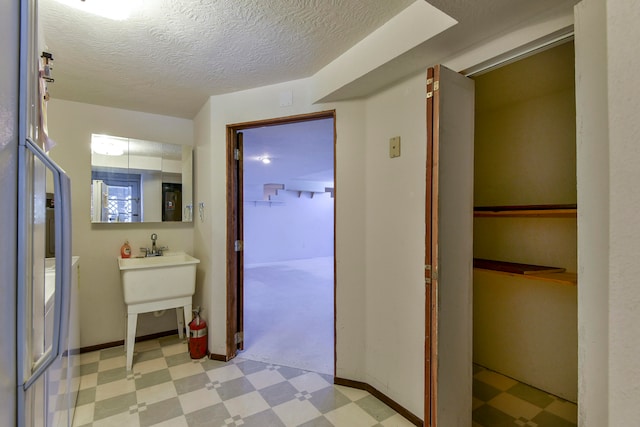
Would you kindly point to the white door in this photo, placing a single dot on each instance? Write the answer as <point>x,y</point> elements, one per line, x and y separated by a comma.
<point>449,248</point>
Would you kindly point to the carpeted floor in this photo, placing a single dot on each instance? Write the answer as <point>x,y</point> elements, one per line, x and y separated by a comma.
<point>288,314</point>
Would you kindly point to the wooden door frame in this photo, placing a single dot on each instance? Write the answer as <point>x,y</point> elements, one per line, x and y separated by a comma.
<point>431,253</point>
<point>235,287</point>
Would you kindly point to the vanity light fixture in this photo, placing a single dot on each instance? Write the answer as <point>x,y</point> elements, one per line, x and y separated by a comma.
<point>117,10</point>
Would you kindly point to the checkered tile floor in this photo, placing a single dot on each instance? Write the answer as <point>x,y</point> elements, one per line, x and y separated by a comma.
<point>501,401</point>
<point>167,388</point>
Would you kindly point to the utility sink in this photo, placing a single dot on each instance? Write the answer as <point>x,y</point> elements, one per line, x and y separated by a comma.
<point>155,284</point>
<point>158,278</point>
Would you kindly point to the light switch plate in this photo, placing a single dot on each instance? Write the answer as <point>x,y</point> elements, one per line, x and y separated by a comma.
<point>394,147</point>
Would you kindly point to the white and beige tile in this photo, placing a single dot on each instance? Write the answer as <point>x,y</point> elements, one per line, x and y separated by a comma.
<point>156,393</point>
<point>226,373</point>
<point>564,409</point>
<point>510,402</point>
<point>515,407</point>
<point>496,380</point>
<point>112,363</point>
<point>239,392</point>
<point>351,415</point>
<point>185,370</point>
<point>114,389</point>
<point>246,405</point>
<point>198,399</point>
<point>296,412</point>
<point>352,393</point>
<point>152,365</point>
<point>265,378</point>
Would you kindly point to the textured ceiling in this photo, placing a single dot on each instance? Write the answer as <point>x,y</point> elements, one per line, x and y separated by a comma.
<point>170,55</point>
<point>479,22</point>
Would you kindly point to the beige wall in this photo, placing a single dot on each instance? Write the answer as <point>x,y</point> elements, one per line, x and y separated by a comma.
<point>624,132</point>
<point>608,94</point>
<point>102,310</point>
<point>380,293</point>
<point>394,245</point>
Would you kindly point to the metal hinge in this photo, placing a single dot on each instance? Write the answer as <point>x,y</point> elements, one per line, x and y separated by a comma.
<point>238,245</point>
<point>236,154</point>
<point>238,337</point>
<point>434,274</point>
<point>436,86</point>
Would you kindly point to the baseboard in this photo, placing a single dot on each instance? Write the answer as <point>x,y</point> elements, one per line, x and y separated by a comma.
<point>218,357</point>
<point>382,397</point>
<point>97,347</point>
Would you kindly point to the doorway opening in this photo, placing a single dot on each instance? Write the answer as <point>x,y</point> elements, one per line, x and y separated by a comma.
<point>525,337</point>
<point>281,240</point>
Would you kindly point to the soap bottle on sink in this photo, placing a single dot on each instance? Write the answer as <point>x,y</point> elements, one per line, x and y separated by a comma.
<point>125,250</point>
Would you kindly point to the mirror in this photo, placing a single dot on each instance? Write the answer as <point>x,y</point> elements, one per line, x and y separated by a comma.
<point>140,181</point>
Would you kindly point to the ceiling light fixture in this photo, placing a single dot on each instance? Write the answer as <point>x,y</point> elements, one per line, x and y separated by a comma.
<point>266,160</point>
<point>107,145</point>
<point>117,10</point>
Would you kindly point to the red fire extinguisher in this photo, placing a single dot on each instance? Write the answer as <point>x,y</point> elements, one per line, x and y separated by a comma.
<point>197,336</point>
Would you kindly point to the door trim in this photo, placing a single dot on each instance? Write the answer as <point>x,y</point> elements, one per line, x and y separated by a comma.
<point>234,219</point>
<point>431,253</point>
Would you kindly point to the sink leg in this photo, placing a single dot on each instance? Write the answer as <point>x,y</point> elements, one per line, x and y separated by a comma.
<point>132,319</point>
<point>180,322</point>
<point>187,317</point>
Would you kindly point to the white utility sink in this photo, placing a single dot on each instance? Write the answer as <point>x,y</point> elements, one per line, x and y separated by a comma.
<point>157,283</point>
<point>157,278</point>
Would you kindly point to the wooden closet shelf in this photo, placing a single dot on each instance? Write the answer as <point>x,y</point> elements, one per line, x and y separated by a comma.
<point>528,271</point>
<point>550,211</point>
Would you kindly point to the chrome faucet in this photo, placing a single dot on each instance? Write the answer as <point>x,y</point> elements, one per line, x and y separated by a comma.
<point>154,251</point>
<point>154,237</point>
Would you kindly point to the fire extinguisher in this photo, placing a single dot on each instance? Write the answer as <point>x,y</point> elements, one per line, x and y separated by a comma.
<point>197,336</point>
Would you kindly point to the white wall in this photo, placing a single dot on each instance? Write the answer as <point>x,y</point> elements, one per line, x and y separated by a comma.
<point>380,228</point>
<point>395,231</point>
<point>293,227</point>
<point>262,103</point>
<point>608,93</point>
<point>623,35</point>
<point>102,310</point>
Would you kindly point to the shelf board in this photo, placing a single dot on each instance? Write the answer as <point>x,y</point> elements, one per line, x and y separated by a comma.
<point>549,211</point>
<point>527,271</point>
<point>263,202</point>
